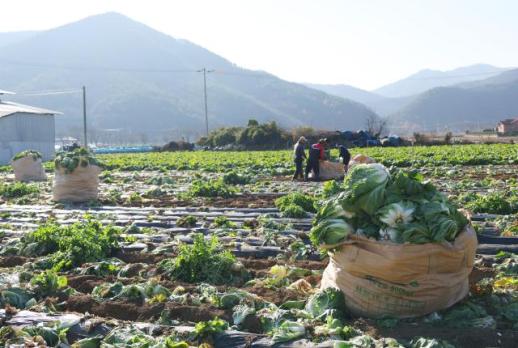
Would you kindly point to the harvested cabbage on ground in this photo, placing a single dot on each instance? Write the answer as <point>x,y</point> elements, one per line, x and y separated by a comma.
<point>395,206</point>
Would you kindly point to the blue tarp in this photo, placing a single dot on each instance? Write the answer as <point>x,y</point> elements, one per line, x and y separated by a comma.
<point>123,149</point>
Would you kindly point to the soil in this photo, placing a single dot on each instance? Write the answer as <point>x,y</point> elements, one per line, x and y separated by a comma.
<point>258,264</point>
<point>247,200</point>
<point>478,274</point>
<point>114,309</point>
<point>138,257</point>
<point>277,296</point>
<point>124,310</point>
<point>266,264</point>
<point>197,313</point>
<point>252,323</point>
<point>134,269</point>
<point>13,261</point>
<point>85,283</point>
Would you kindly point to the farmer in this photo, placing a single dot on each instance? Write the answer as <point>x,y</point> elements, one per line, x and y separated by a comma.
<point>317,152</point>
<point>299,155</point>
<point>345,155</point>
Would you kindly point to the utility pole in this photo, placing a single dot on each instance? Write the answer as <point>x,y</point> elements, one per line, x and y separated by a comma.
<point>84,118</point>
<point>205,72</point>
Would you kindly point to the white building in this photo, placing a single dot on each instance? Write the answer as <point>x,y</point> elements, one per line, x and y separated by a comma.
<point>25,127</point>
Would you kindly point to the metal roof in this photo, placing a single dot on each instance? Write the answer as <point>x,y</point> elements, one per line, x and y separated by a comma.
<point>9,108</point>
<point>509,121</point>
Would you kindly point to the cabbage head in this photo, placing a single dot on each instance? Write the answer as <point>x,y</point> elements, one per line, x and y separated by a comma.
<point>396,214</point>
<point>367,185</point>
<point>324,301</point>
<point>330,232</point>
<point>287,331</point>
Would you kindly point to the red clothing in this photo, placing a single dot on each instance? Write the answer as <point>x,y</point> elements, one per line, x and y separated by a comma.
<point>320,147</point>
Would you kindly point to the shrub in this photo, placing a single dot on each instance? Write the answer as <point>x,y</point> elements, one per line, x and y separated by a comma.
<point>211,188</point>
<point>48,283</point>
<point>493,203</point>
<point>71,246</point>
<point>233,178</point>
<point>18,189</point>
<point>293,211</point>
<point>331,188</point>
<point>186,221</point>
<point>204,261</point>
<point>253,136</point>
<point>296,198</point>
<point>223,221</point>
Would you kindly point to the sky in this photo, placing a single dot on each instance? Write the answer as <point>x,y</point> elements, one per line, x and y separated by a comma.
<point>364,43</point>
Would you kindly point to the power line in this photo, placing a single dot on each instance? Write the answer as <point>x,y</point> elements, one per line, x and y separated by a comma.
<point>220,72</point>
<point>44,93</point>
<point>235,73</point>
<point>205,72</point>
<point>68,91</point>
<point>93,68</point>
<point>116,69</point>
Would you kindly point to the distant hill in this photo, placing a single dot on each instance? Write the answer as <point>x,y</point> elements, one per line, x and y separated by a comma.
<point>15,36</point>
<point>348,92</point>
<point>140,81</point>
<point>383,106</point>
<point>482,103</point>
<point>427,79</point>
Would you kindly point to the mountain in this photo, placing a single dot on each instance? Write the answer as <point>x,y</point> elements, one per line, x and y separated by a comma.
<point>427,79</point>
<point>140,81</point>
<point>348,92</point>
<point>478,104</point>
<point>15,36</point>
<point>383,106</point>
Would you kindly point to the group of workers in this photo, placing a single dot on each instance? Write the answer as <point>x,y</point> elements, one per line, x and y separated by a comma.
<point>317,153</point>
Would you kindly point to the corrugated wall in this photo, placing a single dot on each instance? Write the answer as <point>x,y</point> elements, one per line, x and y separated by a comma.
<point>23,131</point>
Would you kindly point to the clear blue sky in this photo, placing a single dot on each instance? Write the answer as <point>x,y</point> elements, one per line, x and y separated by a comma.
<point>365,43</point>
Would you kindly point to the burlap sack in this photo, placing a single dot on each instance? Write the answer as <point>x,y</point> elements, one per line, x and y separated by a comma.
<point>330,170</point>
<point>79,186</point>
<point>28,169</point>
<point>401,280</point>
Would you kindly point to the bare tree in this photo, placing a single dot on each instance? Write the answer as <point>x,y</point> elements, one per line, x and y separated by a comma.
<point>376,125</point>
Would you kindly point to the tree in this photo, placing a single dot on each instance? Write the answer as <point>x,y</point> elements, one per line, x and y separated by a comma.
<point>253,123</point>
<point>376,125</point>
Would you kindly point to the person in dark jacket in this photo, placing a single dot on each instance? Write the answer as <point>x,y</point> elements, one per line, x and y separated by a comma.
<point>345,155</point>
<point>316,153</point>
<point>299,155</point>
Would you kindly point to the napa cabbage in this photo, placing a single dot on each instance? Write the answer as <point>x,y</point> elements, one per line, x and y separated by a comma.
<point>287,331</point>
<point>320,303</point>
<point>330,232</point>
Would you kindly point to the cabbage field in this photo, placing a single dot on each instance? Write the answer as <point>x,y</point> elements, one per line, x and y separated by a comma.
<point>213,249</point>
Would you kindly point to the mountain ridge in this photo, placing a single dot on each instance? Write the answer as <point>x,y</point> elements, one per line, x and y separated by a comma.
<point>427,79</point>
<point>476,105</point>
<point>140,79</point>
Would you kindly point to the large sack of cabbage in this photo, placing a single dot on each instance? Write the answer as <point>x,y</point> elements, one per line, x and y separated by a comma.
<point>27,166</point>
<point>361,159</point>
<point>397,246</point>
<point>76,176</point>
<point>330,170</point>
